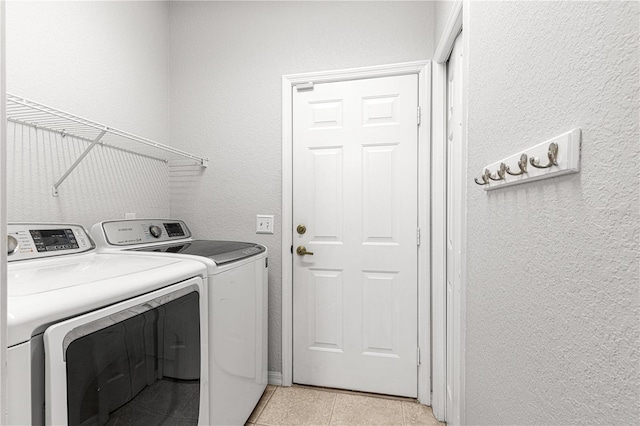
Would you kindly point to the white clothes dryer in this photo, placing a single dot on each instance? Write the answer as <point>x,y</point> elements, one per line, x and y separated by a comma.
<point>237,292</point>
<point>103,338</point>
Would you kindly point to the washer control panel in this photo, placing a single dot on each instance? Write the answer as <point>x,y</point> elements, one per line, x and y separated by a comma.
<point>143,231</point>
<point>38,240</point>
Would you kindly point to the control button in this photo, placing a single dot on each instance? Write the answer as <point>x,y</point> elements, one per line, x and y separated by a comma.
<point>155,231</point>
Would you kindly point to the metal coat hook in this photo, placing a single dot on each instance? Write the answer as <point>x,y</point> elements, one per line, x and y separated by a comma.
<point>528,165</point>
<point>485,177</point>
<point>522,164</point>
<point>552,154</point>
<point>500,173</point>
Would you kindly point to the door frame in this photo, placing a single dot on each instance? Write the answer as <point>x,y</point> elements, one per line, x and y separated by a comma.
<point>453,27</point>
<point>423,70</point>
<point>3,219</point>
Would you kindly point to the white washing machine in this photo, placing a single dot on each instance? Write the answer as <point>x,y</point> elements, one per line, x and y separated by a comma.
<point>103,338</point>
<point>237,291</point>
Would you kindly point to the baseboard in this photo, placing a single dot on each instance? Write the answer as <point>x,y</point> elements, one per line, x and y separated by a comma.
<point>275,378</point>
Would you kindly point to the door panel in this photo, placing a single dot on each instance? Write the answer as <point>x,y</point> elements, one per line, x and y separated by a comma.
<point>325,311</point>
<point>355,190</point>
<point>379,221</point>
<point>327,207</point>
<point>380,325</point>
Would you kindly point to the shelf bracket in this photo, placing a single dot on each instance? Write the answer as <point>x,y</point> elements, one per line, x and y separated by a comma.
<point>78,161</point>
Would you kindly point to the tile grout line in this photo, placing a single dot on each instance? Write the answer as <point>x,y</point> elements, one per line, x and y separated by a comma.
<point>269,399</point>
<point>265,405</point>
<point>333,406</point>
<point>403,405</point>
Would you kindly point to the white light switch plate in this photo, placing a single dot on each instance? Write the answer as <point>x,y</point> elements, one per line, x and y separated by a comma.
<point>264,224</point>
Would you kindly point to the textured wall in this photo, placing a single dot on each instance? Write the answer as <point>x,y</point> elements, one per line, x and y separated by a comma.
<point>553,313</point>
<point>441,12</point>
<point>106,61</point>
<point>227,60</point>
<point>107,184</point>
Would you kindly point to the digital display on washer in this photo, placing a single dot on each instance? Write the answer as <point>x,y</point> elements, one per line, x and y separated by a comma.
<point>174,229</point>
<point>53,239</point>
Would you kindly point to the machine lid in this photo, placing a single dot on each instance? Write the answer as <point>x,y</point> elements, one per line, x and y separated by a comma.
<point>44,291</point>
<point>220,252</point>
<point>28,278</point>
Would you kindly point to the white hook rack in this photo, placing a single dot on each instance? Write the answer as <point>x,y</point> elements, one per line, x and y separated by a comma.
<point>39,116</point>
<point>555,157</point>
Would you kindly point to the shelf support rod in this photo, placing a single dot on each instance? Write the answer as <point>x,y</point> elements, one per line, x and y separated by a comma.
<point>78,161</point>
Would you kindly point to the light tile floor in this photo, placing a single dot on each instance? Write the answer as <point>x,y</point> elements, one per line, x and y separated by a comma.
<point>304,405</point>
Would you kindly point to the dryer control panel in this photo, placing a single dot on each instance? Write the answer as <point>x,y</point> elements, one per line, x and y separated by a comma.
<point>143,231</point>
<point>38,240</point>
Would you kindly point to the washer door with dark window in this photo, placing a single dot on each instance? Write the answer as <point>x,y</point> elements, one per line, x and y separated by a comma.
<point>134,364</point>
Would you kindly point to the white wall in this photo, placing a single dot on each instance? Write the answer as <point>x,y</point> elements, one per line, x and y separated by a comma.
<point>553,315</point>
<point>227,60</point>
<point>441,12</point>
<point>106,61</point>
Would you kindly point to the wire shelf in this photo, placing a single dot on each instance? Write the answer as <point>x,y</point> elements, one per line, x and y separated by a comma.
<point>26,112</point>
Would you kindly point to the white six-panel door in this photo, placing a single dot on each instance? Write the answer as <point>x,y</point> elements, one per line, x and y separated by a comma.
<point>355,183</point>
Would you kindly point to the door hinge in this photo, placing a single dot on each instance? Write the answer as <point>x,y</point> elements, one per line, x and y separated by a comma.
<point>419,115</point>
<point>418,237</point>
<point>418,360</point>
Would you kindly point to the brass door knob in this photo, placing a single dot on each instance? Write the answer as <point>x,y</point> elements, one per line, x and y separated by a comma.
<point>301,229</point>
<point>301,250</point>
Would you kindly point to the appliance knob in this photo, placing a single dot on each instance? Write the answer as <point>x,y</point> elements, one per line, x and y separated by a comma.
<point>155,231</point>
<point>12,245</point>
